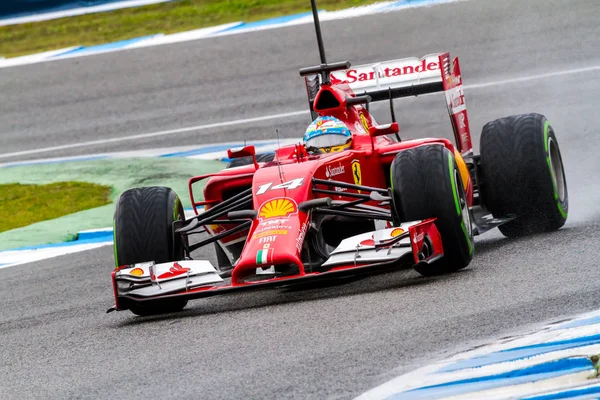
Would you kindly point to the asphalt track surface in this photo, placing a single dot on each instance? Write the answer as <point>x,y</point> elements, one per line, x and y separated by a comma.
<point>332,342</point>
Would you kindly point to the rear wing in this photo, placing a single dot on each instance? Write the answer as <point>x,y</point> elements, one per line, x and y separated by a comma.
<point>406,77</point>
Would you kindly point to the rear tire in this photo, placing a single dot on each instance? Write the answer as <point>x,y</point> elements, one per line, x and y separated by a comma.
<point>523,174</point>
<point>426,184</point>
<point>143,231</point>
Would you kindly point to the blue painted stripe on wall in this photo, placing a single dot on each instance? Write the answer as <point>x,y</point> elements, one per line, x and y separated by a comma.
<point>578,323</point>
<point>213,149</point>
<point>592,339</point>
<point>103,47</point>
<point>204,150</point>
<point>106,235</point>
<point>26,163</point>
<point>569,394</point>
<point>531,374</point>
<point>522,352</point>
<point>403,3</point>
<point>266,22</point>
<point>63,244</point>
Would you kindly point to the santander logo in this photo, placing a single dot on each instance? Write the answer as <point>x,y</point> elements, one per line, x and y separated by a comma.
<point>333,171</point>
<point>393,69</point>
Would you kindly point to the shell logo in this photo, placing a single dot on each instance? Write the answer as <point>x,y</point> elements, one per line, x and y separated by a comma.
<point>397,232</point>
<point>277,208</point>
<point>137,272</point>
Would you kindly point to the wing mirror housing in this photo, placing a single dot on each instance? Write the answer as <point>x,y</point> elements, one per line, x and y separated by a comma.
<point>246,151</point>
<point>380,130</point>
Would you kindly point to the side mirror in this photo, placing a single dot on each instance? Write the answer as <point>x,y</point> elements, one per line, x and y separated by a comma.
<point>246,151</point>
<point>388,129</point>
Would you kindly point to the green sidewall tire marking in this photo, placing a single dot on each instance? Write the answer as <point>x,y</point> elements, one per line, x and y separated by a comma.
<point>176,209</point>
<point>560,207</point>
<point>457,202</point>
<point>451,169</point>
<point>562,212</point>
<point>546,126</point>
<point>115,243</point>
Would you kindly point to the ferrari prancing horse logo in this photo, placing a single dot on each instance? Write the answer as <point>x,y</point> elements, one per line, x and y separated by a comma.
<point>364,122</point>
<point>356,173</point>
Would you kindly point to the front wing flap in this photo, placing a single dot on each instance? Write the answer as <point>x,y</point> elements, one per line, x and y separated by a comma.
<point>421,239</point>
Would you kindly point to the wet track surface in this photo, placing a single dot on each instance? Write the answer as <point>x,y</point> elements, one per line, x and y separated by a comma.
<point>332,342</point>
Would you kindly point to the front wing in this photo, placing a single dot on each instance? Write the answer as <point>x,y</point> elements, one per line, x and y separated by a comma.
<point>404,246</point>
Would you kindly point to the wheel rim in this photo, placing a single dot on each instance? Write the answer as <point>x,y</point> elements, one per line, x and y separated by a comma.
<point>556,169</point>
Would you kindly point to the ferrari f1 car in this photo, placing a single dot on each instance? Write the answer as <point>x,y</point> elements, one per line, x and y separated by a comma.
<point>294,216</point>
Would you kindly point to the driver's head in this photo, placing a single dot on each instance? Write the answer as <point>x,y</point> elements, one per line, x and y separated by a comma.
<point>327,135</point>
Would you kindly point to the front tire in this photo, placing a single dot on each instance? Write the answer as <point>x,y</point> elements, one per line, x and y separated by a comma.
<point>143,231</point>
<point>426,184</point>
<point>523,174</point>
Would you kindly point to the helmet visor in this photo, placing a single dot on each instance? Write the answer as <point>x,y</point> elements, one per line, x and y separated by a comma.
<point>327,140</point>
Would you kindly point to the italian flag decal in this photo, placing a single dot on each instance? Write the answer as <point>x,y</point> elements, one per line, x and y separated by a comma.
<point>264,256</point>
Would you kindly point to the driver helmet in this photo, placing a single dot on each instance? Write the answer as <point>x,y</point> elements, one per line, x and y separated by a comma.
<point>327,135</point>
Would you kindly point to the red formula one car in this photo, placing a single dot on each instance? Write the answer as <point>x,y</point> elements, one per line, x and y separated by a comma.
<point>303,214</point>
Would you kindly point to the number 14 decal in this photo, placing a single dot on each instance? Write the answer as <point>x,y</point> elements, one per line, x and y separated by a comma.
<point>291,185</point>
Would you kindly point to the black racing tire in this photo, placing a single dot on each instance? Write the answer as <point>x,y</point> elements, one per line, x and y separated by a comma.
<point>426,184</point>
<point>143,231</point>
<point>239,162</point>
<point>523,175</point>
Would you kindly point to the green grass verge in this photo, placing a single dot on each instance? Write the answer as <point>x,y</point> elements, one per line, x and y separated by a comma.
<point>129,23</point>
<point>22,205</point>
<point>120,174</point>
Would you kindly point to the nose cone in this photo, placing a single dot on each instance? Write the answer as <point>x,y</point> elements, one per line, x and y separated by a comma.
<point>276,239</point>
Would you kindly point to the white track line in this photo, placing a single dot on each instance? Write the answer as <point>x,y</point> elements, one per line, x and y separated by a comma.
<point>275,116</point>
<point>155,134</point>
<point>534,77</point>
